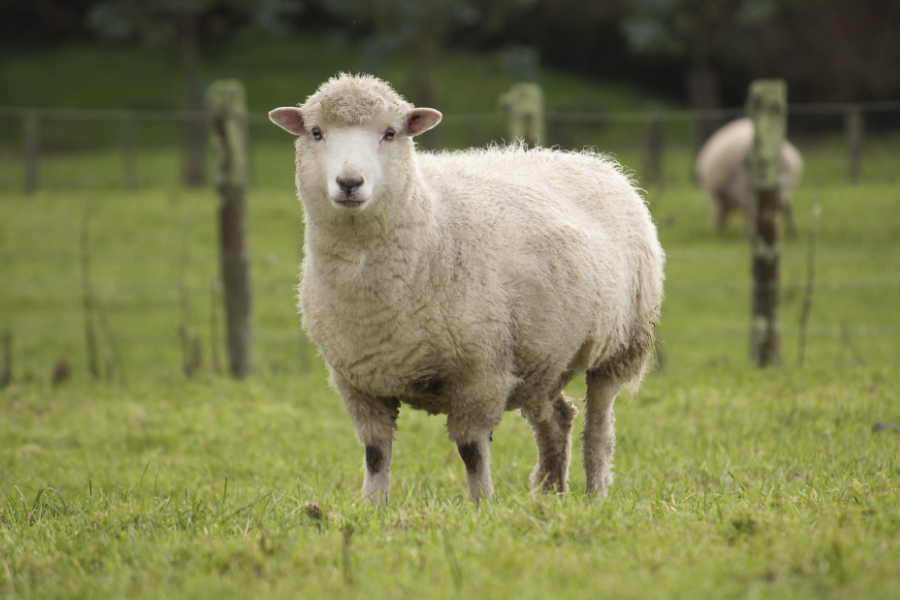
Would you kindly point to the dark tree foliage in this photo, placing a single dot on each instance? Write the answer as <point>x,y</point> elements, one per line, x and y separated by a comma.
<point>165,23</point>
<point>419,29</point>
<point>833,50</point>
<point>706,37</point>
<point>580,36</point>
<point>703,51</point>
<point>30,23</point>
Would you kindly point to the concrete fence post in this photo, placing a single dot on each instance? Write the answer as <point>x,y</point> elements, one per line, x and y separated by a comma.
<point>523,106</point>
<point>228,125</point>
<point>767,107</point>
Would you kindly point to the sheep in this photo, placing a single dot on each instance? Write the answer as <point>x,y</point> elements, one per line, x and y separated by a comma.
<point>723,172</point>
<point>468,283</point>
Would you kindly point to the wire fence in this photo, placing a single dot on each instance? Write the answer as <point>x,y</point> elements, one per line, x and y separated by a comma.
<point>154,306</point>
<point>52,148</point>
<point>139,291</point>
<point>63,149</point>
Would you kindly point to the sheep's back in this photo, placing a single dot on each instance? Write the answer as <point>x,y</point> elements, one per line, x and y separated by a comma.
<point>724,154</point>
<point>569,238</point>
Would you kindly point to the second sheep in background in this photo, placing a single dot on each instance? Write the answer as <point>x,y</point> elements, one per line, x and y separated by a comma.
<point>723,171</point>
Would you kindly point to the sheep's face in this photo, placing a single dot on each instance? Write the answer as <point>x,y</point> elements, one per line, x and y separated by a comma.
<point>348,168</point>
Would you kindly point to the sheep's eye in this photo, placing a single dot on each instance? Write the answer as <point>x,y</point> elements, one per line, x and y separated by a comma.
<point>316,133</point>
<point>389,134</point>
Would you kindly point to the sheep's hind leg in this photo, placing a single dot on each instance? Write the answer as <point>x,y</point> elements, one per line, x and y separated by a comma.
<point>598,437</point>
<point>788,213</point>
<point>720,210</point>
<point>552,428</point>
<point>374,420</point>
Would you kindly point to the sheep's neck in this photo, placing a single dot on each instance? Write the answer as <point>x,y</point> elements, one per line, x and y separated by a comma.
<point>368,258</point>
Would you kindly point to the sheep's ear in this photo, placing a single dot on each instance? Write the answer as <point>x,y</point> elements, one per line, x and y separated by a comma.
<point>420,120</point>
<point>290,119</point>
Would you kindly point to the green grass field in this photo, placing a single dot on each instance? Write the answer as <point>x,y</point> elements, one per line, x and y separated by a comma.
<point>731,482</point>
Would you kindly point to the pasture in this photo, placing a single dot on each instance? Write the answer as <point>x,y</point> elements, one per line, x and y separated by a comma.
<point>154,482</point>
<point>730,481</point>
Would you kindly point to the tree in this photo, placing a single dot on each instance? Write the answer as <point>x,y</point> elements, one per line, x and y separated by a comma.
<point>193,27</point>
<point>705,34</point>
<point>834,50</point>
<point>40,22</point>
<point>419,28</point>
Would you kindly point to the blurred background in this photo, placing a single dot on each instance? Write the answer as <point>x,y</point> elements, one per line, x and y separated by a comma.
<point>113,84</point>
<point>106,166</point>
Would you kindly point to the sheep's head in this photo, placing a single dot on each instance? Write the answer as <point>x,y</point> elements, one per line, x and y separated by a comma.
<point>355,142</point>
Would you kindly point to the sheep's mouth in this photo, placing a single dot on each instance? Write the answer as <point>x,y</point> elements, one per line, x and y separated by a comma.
<point>350,203</point>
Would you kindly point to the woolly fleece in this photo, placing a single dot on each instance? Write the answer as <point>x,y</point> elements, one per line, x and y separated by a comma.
<point>478,282</point>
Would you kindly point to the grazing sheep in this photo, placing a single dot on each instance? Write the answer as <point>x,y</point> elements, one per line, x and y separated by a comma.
<point>722,170</point>
<point>468,283</point>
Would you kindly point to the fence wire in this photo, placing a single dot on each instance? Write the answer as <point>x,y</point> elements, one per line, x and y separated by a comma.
<point>842,142</point>
<point>274,258</point>
<point>811,108</point>
<point>134,149</point>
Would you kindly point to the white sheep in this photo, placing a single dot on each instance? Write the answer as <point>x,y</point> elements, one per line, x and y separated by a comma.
<point>468,283</point>
<point>722,170</point>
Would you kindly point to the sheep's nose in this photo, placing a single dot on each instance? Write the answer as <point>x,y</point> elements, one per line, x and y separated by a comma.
<point>349,184</point>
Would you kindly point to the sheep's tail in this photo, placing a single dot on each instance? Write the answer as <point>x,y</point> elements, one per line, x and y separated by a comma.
<point>628,365</point>
<point>630,362</point>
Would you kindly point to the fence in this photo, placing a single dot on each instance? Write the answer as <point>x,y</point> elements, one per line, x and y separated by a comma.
<point>160,307</point>
<point>149,319</point>
<point>66,148</point>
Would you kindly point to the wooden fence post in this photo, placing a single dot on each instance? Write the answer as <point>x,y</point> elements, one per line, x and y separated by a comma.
<point>31,134</point>
<point>653,147</point>
<point>854,127</point>
<point>523,105</point>
<point>767,107</point>
<point>228,126</point>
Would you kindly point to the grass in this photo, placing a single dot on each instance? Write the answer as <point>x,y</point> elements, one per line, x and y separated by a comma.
<point>730,482</point>
<point>150,246</point>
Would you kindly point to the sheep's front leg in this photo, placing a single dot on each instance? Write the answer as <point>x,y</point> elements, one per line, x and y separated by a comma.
<point>374,420</point>
<point>476,456</point>
<point>470,425</point>
<point>599,437</point>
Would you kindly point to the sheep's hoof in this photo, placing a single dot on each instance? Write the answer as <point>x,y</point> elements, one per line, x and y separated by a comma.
<point>548,483</point>
<point>377,498</point>
<point>598,493</point>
